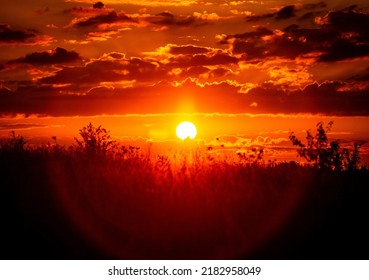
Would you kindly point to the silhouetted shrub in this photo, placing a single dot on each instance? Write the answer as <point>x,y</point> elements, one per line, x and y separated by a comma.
<point>96,141</point>
<point>324,154</point>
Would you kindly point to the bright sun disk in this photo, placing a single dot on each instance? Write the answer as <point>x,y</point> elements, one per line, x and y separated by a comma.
<point>186,130</point>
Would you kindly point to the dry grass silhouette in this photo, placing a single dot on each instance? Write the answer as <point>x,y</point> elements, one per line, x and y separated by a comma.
<point>98,199</point>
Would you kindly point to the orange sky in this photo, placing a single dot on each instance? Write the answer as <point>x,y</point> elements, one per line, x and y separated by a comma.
<point>223,132</point>
<point>233,67</point>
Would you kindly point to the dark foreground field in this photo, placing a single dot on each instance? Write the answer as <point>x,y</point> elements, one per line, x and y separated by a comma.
<point>60,204</point>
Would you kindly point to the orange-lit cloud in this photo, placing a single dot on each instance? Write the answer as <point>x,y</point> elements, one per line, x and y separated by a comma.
<point>94,21</point>
<point>339,35</point>
<point>56,56</point>
<point>10,36</point>
<point>155,3</point>
<point>265,57</point>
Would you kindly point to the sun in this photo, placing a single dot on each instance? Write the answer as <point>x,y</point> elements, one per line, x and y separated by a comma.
<point>186,130</point>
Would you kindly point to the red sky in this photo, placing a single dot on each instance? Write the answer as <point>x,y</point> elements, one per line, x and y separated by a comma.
<point>63,59</point>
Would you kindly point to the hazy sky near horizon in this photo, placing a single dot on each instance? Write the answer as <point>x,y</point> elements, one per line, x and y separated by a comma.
<point>79,57</point>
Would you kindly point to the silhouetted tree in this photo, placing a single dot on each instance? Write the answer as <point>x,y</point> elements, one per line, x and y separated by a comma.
<point>96,141</point>
<point>324,154</point>
<point>354,159</point>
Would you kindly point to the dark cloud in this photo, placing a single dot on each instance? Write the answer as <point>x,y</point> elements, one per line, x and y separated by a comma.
<point>105,18</point>
<point>316,98</point>
<point>188,50</point>
<point>10,36</point>
<point>248,42</point>
<point>344,49</point>
<point>96,8</point>
<point>93,73</point>
<point>254,46</point>
<point>99,71</point>
<point>284,13</point>
<point>83,11</point>
<point>259,32</point>
<point>203,60</point>
<point>57,56</point>
<point>259,17</point>
<point>340,35</point>
<point>291,11</point>
<point>114,67</point>
<point>346,21</point>
<point>169,19</point>
<point>326,98</point>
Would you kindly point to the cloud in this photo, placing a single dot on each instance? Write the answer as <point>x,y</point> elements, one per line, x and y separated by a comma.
<point>168,19</point>
<point>326,98</point>
<point>9,36</point>
<point>339,35</point>
<point>203,60</point>
<point>290,11</point>
<point>265,70</point>
<point>344,49</point>
<point>188,49</point>
<point>207,16</point>
<point>171,63</point>
<point>346,20</point>
<point>86,11</point>
<point>102,24</point>
<point>145,3</point>
<point>284,13</point>
<point>260,32</point>
<point>265,43</point>
<point>56,56</point>
<point>13,126</point>
<point>100,19</point>
<point>105,70</point>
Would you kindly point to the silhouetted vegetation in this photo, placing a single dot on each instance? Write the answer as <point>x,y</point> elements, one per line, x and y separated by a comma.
<point>324,154</point>
<point>98,199</point>
<point>14,143</point>
<point>96,141</point>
